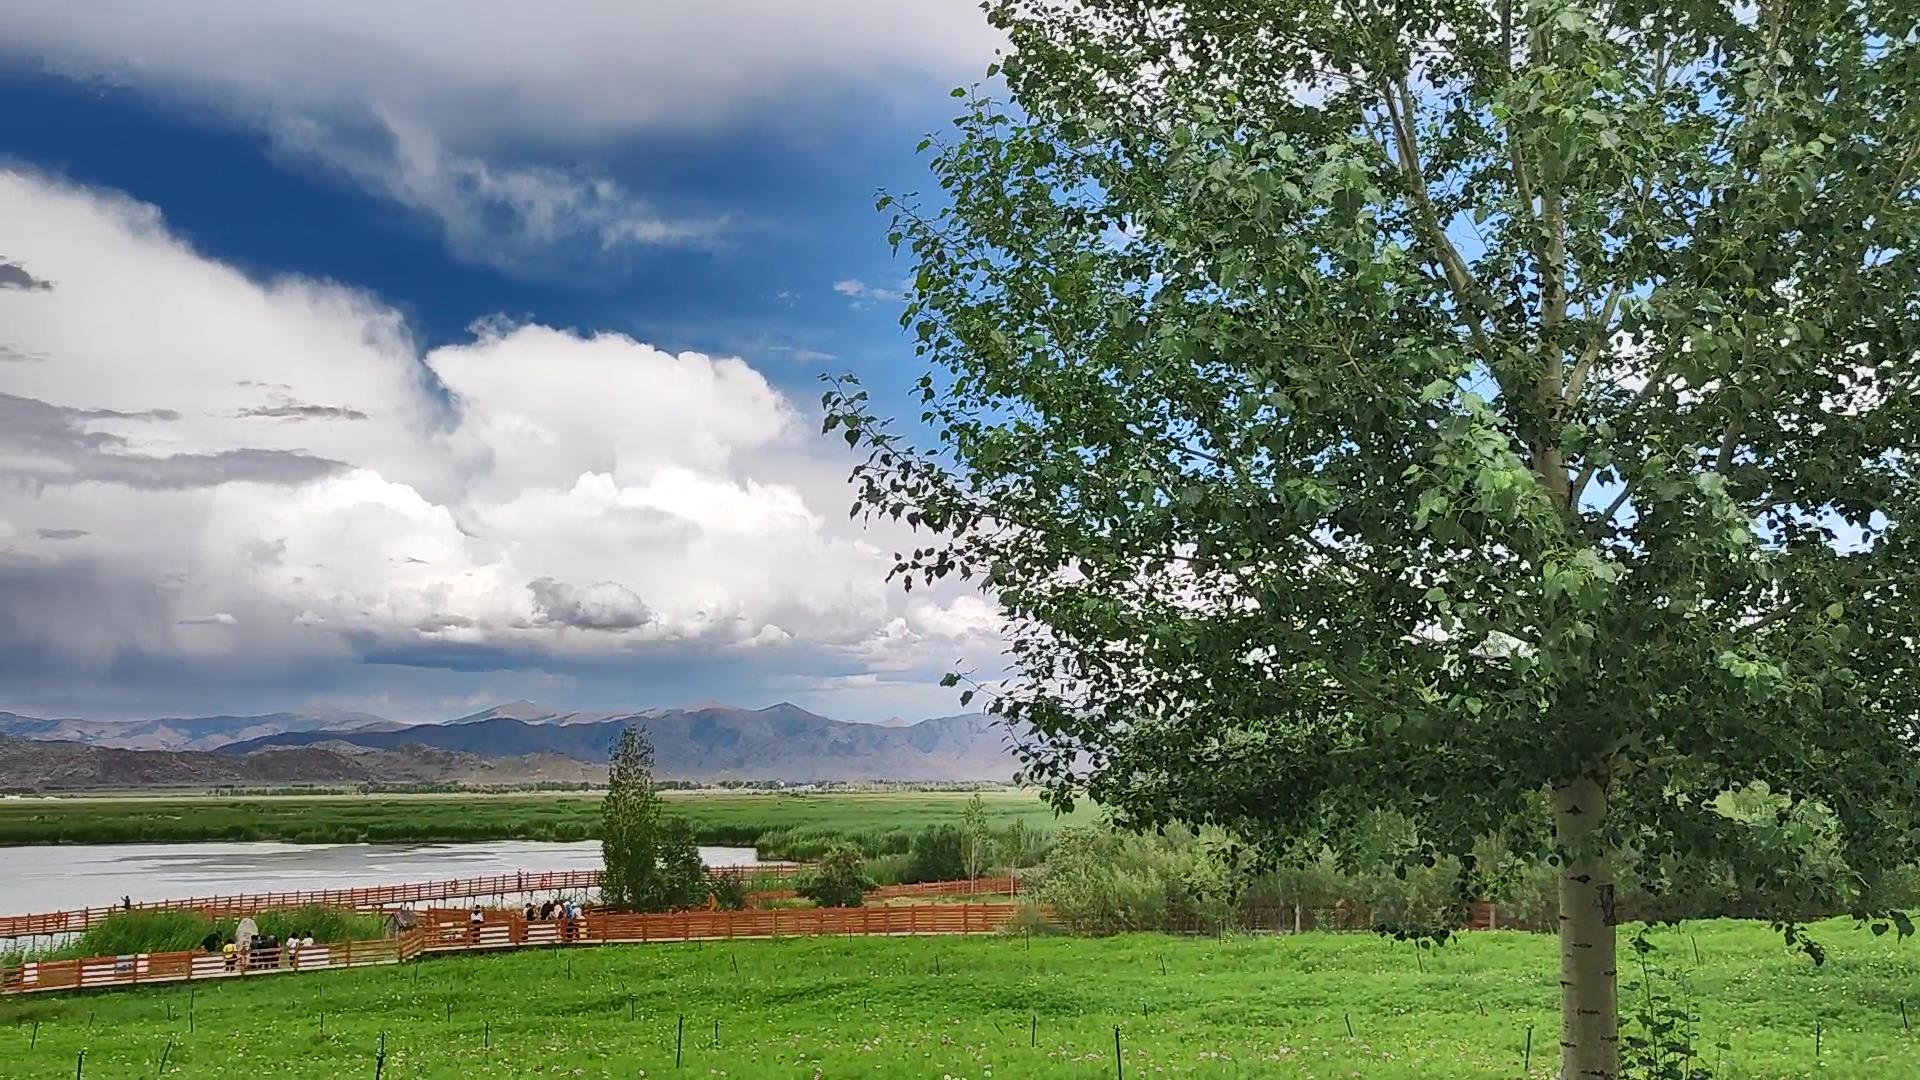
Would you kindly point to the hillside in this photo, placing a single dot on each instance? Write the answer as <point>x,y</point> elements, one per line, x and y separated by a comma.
<point>781,741</point>
<point>515,742</point>
<point>54,766</point>
<point>184,733</point>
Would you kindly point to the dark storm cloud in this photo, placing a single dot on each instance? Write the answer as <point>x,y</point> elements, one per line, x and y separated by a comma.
<point>15,276</point>
<point>603,606</point>
<point>48,444</point>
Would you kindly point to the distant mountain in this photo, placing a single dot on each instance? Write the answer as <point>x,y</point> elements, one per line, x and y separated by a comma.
<point>187,733</point>
<point>534,713</point>
<point>54,766</point>
<point>781,741</point>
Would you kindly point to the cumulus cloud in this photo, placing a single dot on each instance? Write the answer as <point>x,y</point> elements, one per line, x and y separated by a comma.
<point>439,103</point>
<point>279,455</point>
<point>604,605</point>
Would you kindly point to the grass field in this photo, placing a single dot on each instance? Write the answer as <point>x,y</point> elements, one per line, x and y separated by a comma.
<point>961,1007</point>
<point>790,825</point>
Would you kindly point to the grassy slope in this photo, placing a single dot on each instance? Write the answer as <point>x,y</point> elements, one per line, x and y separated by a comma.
<point>1272,1007</point>
<point>719,819</point>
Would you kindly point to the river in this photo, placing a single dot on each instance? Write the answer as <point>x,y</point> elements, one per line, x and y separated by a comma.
<point>55,878</point>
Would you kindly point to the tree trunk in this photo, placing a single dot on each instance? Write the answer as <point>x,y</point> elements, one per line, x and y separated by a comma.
<point>1589,1013</point>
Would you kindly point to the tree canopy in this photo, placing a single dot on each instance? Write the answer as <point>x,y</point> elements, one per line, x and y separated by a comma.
<point>652,860</point>
<point>1451,407</point>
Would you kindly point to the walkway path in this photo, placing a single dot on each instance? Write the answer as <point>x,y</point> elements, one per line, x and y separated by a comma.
<point>450,932</point>
<point>362,899</point>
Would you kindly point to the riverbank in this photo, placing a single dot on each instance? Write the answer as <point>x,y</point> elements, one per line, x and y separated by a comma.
<point>780,826</point>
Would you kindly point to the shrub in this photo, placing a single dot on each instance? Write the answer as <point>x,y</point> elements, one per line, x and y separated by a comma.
<point>938,854</point>
<point>729,891</point>
<point>839,879</point>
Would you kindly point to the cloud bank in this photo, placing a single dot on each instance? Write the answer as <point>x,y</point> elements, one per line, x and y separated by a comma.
<point>206,467</point>
<point>446,105</point>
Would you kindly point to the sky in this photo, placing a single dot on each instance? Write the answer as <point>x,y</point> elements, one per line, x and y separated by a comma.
<point>414,358</point>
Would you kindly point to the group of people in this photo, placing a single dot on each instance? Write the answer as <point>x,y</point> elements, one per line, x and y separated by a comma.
<point>564,911</point>
<point>551,910</point>
<point>261,951</point>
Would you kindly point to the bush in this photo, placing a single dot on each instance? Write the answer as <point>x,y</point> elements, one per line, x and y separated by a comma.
<point>1102,882</point>
<point>938,854</point>
<point>179,931</point>
<point>839,879</point>
<point>729,891</point>
<point>889,869</point>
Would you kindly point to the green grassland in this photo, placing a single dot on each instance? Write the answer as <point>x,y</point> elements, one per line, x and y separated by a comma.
<point>961,1007</point>
<point>782,825</point>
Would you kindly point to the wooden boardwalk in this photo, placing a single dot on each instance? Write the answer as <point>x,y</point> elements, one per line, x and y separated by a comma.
<point>368,898</point>
<point>452,932</point>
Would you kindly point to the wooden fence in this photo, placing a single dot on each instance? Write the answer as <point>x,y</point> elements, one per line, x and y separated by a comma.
<point>1003,885</point>
<point>360,899</point>
<point>453,932</point>
<point>94,972</point>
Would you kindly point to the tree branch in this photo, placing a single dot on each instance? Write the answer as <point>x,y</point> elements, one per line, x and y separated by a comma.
<point>1466,292</point>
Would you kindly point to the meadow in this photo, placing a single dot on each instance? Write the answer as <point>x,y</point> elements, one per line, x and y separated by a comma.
<point>986,1006</point>
<point>785,825</point>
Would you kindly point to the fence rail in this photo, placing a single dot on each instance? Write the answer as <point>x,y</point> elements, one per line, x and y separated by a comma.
<point>94,972</point>
<point>1003,885</point>
<point>362,899</point>
<point>454,932</point>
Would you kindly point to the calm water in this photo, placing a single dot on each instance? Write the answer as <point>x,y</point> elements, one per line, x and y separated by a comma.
<point>34,879</point>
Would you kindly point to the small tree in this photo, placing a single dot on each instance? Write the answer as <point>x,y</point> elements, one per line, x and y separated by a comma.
<point>683,876</point>
<point>839,879</point>
<point>977,836</point>
<point>1500,412</point>
<point>938,853</point>
<point>630,827</point>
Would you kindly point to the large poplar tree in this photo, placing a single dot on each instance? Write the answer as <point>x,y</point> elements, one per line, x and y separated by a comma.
<point>1496,412</point>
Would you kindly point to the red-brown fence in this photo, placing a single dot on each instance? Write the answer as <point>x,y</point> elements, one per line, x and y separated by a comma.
<point>1004,885</point>
<point>452,931</point>
<point>39,976</point>
<point>369,897</point>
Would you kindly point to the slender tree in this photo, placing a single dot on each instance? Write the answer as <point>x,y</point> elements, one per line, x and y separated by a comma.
<point>978,836</point>
<point>1498,412</point>
<point>631,824</point>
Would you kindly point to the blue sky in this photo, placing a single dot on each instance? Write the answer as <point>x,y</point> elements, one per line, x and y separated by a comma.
<point>411,362</point>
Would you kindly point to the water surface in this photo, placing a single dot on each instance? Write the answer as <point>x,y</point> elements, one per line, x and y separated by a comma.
<point>54,878</point>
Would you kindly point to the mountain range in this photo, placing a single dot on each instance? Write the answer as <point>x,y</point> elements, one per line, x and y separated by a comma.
<point>515,742</point>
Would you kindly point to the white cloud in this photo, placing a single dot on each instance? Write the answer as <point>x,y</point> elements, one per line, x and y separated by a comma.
<point>280,457</point>
<point>423,102</point>
<point>485,71</point>
<point>860,290</point>
<point>507,216</point>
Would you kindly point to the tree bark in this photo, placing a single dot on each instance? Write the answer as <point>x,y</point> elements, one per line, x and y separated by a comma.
<point>1589,1011</point>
